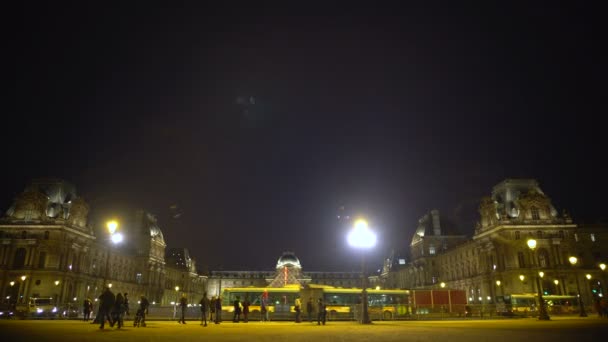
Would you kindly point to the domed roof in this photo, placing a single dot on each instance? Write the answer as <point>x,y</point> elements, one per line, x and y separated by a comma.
<point>288,259</point>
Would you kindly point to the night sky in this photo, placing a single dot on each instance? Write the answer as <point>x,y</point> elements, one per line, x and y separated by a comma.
<point>258,123</point>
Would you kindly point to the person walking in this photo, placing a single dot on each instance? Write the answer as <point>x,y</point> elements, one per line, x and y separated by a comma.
<point>183,304</point>
<point>246,310</point>
<point>106,304</point>
<point>211,308</point>
<point>321,316</point>
<point>263,311</point>
<point>87,307</point>
<point>298,309</point>
<point>126,305</point>
<point>140,318</point>
<point>118,310</point>
<point>309,309</point>
<point>218,309</point>
<point>237,310</point>
<point>204,303</point>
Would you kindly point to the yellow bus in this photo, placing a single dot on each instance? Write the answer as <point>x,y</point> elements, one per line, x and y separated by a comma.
<point>345,303</point>
<point>527,302</point>
<point>278,299</point>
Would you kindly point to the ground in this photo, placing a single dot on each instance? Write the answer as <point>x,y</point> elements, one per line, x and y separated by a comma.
<point>512,330</point>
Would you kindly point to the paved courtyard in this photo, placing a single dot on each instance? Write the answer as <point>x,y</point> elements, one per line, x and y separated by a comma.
<point>558,329</point>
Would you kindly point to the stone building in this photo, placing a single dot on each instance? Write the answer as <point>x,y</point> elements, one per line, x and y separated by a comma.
<point>48,249</point>
<point>288,271</point>
<point>492,263</point>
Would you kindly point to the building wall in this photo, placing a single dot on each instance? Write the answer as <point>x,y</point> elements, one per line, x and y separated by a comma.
<point>498,251</point>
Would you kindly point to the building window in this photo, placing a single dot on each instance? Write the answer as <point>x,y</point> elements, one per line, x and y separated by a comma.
<point>19,260</point>
<point>517,235</point>
<point>24,234</point>
<point>543,258</point>
<point>521,259</point>
<point>592,237</point>
<point>576,237</point>
<point>539,234</point>
<point>535,213</point>
<point>560,234</point>
<point>42,260</point>
<point>138,278</point>
<point>431,250</point>
<point>46,235</point>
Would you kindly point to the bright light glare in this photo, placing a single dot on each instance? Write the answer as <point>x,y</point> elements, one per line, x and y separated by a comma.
<point>112,225</point>
<point>361,236</point>
<point>117,238</point>
<point>532,243</point>
<point>573,260</point>
<point>603,266</point>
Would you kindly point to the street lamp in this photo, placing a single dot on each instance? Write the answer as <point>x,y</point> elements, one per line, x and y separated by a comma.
<point>116,238</point>
<point>542,313</point>
<point>363,238</point>
<point>604,287</point>
<point>556,282</point>
<point>573,260</point>
<point>442,285</point>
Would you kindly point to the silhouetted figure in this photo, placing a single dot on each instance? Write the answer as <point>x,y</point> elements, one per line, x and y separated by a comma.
<point>204,309</point>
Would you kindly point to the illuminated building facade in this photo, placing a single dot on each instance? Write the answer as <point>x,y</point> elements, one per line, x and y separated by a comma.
<point>48,249</point>
<point>492,263</point>
<point>288,271</point>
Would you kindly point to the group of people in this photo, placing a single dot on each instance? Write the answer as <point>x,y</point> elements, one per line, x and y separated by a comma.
<point>112,308</point>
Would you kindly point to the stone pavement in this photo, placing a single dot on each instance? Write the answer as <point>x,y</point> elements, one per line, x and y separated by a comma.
<point>559,329</point>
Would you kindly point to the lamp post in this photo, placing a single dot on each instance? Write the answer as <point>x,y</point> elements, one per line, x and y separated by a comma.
<point>175,303</point>
<point>363,238</point>
<point>542,313</point>
<point>604,287</point>
<point>573,260</point>
<point>115,238</point>
<point>556,282</point>
<point>22,289</point>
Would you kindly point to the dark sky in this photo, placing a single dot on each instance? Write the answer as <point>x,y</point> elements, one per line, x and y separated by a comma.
<point>389,111</point>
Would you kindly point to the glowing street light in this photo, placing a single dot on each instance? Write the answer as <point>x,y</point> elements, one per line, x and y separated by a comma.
<point>573,261</point>
<point>363,238</point>
<point>112,226</point>
<point>442,284</point>
<point>115,238</point>
<point>542,313</point>
<point>522,277</point>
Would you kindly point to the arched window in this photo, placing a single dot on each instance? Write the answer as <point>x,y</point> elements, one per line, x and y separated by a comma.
<point>24,234</point>
<point>539,234</point>
<point>19,260</point>
<point>46,235</point>
<point>517,236</point>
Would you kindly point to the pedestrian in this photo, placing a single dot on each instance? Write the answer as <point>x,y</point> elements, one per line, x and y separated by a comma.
<point>322,314</point>
<point>246,310</point>
<point>204,303</point>
<point>237,309</point>
<point>87,307</point>
<point>263,311</point>
<point>218,309</point>
<point>118,310</point>
<point>126,305</point>
<point>140,317</point>
<point>183,303</point>
<point>106,303</point>
<point>310,309</point>
<point>211,308</point>
<point>298,309</point>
